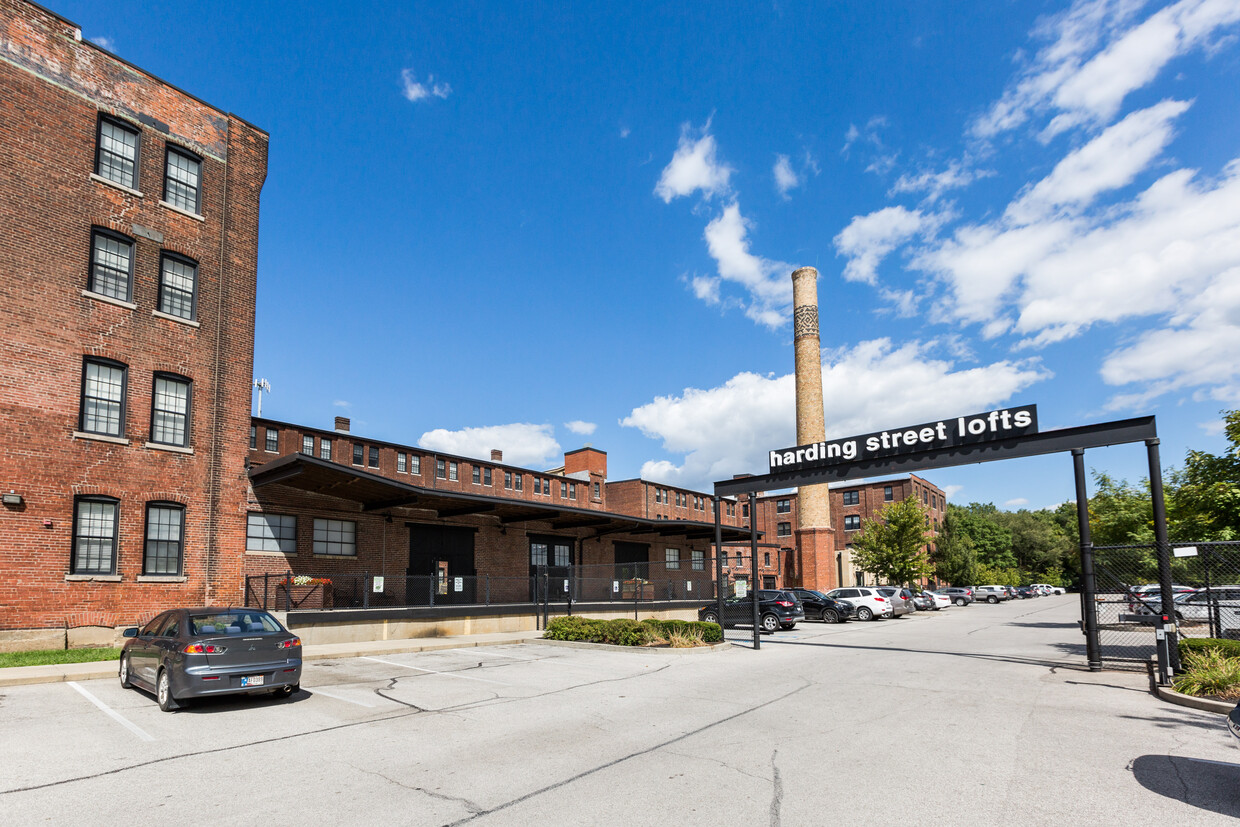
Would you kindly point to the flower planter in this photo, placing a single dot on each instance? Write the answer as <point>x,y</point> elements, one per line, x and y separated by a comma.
<point>315,596</point>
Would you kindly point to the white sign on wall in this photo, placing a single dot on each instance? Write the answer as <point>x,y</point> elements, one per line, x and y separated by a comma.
<point>378,585</point>
<point>458,584</point>
<point>615,587</point>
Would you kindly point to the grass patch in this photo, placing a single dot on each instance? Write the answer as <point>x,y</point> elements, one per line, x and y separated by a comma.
<point>44,657</point>
<point>1209,672</point>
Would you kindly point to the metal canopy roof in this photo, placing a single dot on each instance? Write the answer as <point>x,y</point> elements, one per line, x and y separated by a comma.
<point>377,493</point>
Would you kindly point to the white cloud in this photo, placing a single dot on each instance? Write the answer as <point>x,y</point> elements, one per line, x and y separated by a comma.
<point>785,178</point>
<point>1096,56</point>
<point>693,167</point>
<point>625,132</point>
<point>523,443</point>
<point>950,491</point>
<point>104,43</point>
<point>868,239</point>
<point>415,90</point>
<point>768,282</point>
<point>579,427</point>
<point>1018,501</point>
<point>934,184</point>
<point>340,403</point>
<point>729,429</point>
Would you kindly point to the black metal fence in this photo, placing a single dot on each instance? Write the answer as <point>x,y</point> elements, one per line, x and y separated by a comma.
<point>547,589</point>
<point>1205,576</point>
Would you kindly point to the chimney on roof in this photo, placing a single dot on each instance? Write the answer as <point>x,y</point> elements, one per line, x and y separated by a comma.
<point>342,424</point>
<point>497,455</point>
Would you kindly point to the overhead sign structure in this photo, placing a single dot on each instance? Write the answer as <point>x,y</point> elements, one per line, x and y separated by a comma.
<point>946,433</point>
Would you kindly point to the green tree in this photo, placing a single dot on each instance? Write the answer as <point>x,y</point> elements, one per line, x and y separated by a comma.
<point>991,540</point>
<point>893,546</point>
<point>1038,540</point>
<point>1204,499</point>
<point>1120,513</point>
<point>953,556</point>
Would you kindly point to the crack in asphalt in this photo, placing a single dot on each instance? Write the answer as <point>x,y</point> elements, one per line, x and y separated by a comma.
<point>464,802</point>
<point>777,794</point>
<point>635,754</point>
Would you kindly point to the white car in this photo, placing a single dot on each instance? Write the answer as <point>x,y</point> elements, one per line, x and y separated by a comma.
<point>941,601</point>
<point>1195,607</point>
<point>1049,589</point>
<point>870,604</point>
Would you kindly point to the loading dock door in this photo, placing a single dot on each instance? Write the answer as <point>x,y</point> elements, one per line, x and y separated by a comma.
<point>439,556</point>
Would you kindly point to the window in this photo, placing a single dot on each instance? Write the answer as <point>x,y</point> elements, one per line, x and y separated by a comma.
<point>307,445</point>
<point>94,535</point>
<point>516,481</point>
<point>165,530</point>
<point>335,537</point>
<point>658,495</point>
<point>111,264</point>
<point>273,441</point>
<point>325,448</point>
<point>538,554</point>
<point>672,557</point>
<point>556,554</point>
<point>116,152</point>
<point>477,475</point>
<point>253,437</point>
<point>374,456</point>
<point>271,532</point>
<point>181,180</point>
<point>103,397</point>
<point>699,559</point>
<point>170,410</point>
<point>783,506</point>
<point>401,467</point>
<point>745,510</point>
<point>783,530</point>
<point>486,477</point>
<point>508,480</point>
<point>441,469</point>
<point>452,471</point>
<point>597,495</point>
<point>178,277</point>
<point>852,522</point>
<point>572,490</point>
<point>537,485</point>
<point>766,559</point>
<point>925,497</point>
<point>415,464</point>
<point>359,454</point>
<point>563,490</point>
<point>888,493</point>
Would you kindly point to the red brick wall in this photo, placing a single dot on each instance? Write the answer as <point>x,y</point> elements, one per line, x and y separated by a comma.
<point>53,89</point>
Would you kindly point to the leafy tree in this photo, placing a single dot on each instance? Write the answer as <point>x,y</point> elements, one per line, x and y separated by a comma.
<point>1120,513</point>
<point>1204,500</point>
<point>991,540</point>
<point>893,546</point>
<point>953,556</point>
<point>1038,540</point>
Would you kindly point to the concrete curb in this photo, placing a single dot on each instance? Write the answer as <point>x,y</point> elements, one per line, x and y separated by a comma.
<point>1204,704</point>
<point>60,672</point>
<point>611,647</point>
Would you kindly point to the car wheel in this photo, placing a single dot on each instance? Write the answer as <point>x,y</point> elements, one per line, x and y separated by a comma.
<point>959,601</point>
<point>865,613</point>
<point>992,599</point>
<point>830,616</point>
<point>770,624</point>
<point>124,673</point>
<point>710,617</point>
<point>163,692</point>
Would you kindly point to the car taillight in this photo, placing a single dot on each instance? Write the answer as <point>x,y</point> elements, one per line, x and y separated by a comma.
<point>290,643</point>
<point>881,599</point>
<point>204,649</point>
<point>787,604</point>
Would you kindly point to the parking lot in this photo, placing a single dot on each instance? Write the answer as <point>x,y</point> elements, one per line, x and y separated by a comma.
<point>932,717</point>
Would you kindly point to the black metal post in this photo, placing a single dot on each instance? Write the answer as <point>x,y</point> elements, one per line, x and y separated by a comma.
<point>1164,556</point>
<point>753,554</point>
<point>488,589</point>
<point>1089,596</point>
<point>546,580</point>
<point>719,560</point>
<point>1211,603</point>
<point>265,576</point>
<point>366,586</point>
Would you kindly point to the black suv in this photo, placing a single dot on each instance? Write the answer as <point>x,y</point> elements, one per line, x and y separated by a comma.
<point>776,610</point>
<point>829,609</point>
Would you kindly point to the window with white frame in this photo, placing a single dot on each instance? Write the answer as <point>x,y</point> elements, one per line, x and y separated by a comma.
<point>182,184</point>
<point>271,532</point>
<point>253,437</point>
<point>165,531</point>
<point>452,471</point>
<point>325,448</point>
<point>783,506</point>
<point>852,522</point>
<point>671,557</point>
<point>335,537</point>
<point>116,152</point>
<point>103,397</point>
<point>170,410</point>
<point>476,475</point>
<point>699,559</point>
<point>415,464</point>
<point>783,530</point>
<point>852,497</point>
<point>178,277</point>
<point>517,481</point>
<point>486,477</point>
<point>94,535</point>
<point>508,480</point>
<point>888,493</point>
<point>111,264</point>
<point>374,456</point>
<point>401,467</point>
<point>359,454</point>
<point>272,444</point>
<point>307,445</point>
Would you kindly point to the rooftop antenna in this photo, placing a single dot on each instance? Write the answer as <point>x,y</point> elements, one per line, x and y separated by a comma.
<point>262,385</point>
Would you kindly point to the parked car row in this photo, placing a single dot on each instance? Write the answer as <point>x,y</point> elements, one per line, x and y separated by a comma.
<point>784,608</point>
<point>1218,603</point>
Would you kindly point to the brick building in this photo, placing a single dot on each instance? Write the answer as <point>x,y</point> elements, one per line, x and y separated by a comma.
<point>131,216</point>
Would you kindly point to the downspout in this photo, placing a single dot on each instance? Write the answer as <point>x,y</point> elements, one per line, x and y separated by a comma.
<point>213,474</point>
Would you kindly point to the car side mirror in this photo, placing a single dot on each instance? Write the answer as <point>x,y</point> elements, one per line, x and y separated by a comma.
<point>132,631</point>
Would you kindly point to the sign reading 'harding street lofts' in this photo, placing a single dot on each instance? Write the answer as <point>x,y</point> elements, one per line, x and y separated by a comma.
<point>946,433</point>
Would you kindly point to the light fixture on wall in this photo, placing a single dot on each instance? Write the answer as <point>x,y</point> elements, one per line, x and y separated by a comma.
<point>11,498</point>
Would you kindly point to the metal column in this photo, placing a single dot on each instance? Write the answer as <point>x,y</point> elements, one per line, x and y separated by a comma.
<point>1089,602</point>
<point>1172,662</point>
<point>719,559</point>
<point>753,553</point>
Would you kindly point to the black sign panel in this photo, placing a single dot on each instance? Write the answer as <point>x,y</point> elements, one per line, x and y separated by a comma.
<point>946,433</point>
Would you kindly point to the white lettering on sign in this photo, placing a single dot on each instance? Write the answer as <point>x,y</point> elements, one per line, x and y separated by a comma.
<point>378,585</point>
<point>458,584</point>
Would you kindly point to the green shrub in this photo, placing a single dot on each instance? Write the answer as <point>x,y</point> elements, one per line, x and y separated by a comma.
<point>569,628</point>
<point>1209,672</point>
<point>626,632</point>
<point>1228,648</point>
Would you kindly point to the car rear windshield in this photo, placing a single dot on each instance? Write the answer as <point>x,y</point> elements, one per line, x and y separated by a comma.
<point>233,623</point>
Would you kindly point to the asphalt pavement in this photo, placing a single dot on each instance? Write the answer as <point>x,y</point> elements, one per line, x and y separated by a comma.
<point>982,713</point>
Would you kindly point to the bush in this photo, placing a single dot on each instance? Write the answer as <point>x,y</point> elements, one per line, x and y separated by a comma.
<point>626,632</point>
<point>1209,672</point>
<point>1228,648</point>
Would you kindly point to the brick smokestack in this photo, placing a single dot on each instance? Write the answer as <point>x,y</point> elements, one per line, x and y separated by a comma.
<point>342,424</point>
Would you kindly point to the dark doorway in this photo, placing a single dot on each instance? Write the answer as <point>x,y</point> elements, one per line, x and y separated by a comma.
<point>441,565</point>
<point>554,556</point>
<point>768,581</point>
<point>632,561</point>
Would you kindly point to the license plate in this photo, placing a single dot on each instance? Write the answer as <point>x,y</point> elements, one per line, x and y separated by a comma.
<point>253,680</point>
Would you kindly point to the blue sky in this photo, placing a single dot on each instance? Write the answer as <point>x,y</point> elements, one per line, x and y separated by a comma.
<point>534,226</point>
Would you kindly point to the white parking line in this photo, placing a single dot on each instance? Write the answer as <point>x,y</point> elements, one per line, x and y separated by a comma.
<point>431,671</point>
<point>481,651</point>
<point>111,713</point>
<point>326,694</point>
